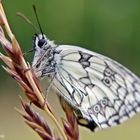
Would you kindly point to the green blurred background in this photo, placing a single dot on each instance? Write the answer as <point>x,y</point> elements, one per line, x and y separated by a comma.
<point>110,27</point>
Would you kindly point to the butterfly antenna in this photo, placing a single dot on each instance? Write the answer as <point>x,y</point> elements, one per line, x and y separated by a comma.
<point>27,20</point>
<point>35,11</point>
<point>26,53</point>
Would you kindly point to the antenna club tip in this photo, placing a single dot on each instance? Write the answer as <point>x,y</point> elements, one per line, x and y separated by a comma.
<point>34,7</point>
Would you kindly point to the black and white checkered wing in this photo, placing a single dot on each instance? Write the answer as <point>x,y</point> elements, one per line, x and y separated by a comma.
<point>102,90</point>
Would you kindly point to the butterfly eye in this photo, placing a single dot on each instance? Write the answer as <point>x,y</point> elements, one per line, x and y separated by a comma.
<point>42,42</point>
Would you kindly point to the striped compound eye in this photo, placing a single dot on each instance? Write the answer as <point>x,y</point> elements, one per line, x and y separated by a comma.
<point>42,42</point>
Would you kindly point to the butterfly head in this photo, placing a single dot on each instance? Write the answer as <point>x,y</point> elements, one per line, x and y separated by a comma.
<point>39,42</point>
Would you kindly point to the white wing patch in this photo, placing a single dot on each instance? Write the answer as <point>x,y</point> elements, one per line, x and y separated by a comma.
<point>104,91</point>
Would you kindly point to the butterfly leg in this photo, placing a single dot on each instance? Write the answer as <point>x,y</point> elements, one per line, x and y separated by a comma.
<point>48,88</point>
<point>26,53</point>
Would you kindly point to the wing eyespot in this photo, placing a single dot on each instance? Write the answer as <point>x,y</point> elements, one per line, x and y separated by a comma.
<point>104,102</point>
<point>107,81</point>
<point>97,108</point>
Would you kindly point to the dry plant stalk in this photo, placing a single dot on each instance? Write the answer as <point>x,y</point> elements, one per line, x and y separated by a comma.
<point>35,121</point>
<point>70,125</point>
<point>20,70</point>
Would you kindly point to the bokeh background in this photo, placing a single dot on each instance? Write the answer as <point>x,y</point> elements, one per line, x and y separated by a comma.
<point>110,27</point>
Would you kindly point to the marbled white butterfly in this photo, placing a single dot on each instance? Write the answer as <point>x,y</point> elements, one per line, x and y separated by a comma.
<point>102,92</point>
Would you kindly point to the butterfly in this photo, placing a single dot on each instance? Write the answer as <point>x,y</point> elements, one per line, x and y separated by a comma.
<point>102,92</point>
